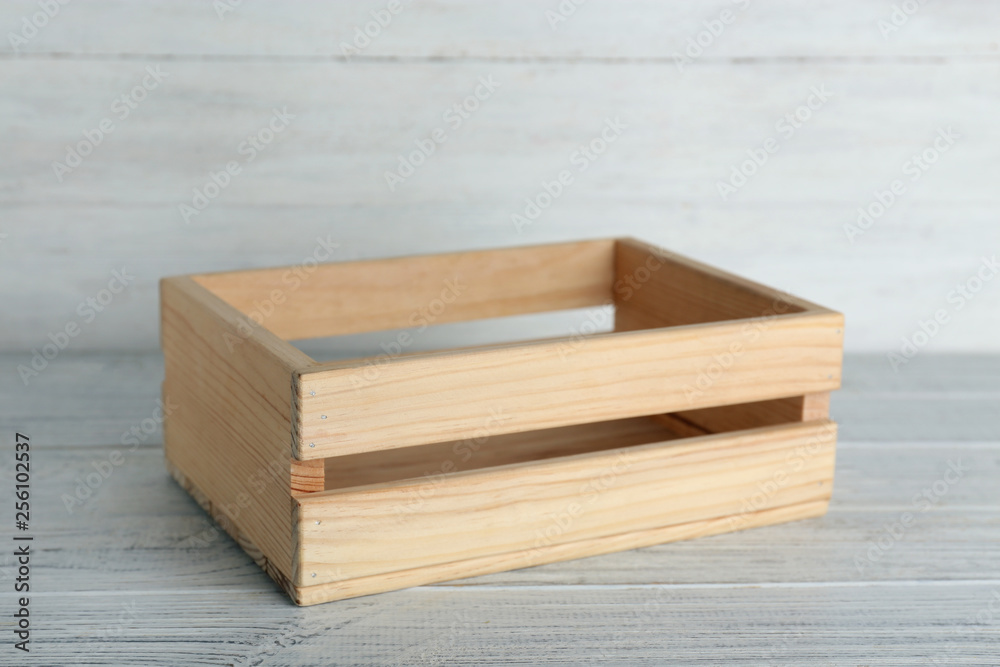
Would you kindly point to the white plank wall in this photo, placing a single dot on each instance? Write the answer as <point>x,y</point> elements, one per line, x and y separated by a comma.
<point>323,176</point>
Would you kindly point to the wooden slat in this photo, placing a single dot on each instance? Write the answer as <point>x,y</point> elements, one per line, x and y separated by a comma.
<point>352,297</point>
<point>307,476</point>
<point>350,533</point>
<point>452,395</point>
<point>309,595</point>
<point>657,288</point>
<point>229,434</point>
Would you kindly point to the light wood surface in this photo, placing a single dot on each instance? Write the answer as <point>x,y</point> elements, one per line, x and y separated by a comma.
<point>230,431</point>
<point>658,288</point>
<point>538,512</point>
<point>787,595</point>
<point>417,292</point>
<point>496,390</point>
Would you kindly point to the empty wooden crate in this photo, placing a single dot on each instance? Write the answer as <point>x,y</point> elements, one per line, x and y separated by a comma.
<point>704,410</point>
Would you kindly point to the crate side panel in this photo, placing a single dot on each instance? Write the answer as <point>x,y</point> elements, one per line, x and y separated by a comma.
<point>375,295</point>
<point>229,434</point>
<point>381,583</point>
<point>359,532</point>
<point>657,288</point>
<point>463,395</point>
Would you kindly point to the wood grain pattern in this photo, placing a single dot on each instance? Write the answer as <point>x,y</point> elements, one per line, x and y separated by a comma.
<point>496,390</point>
<point>658,288</point>
<point>554,553</point>
<point>229,434</point>
<point>756,415</point>
<point>350,297</point>
<point>525,507</point>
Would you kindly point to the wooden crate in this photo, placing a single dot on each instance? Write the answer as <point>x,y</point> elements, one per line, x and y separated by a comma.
<point>704,411</point>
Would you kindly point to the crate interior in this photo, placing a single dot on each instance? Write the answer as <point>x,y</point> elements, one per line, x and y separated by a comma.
<point>411,305</point>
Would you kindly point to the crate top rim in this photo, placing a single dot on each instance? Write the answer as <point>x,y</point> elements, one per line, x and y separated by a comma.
<point>806,308</point>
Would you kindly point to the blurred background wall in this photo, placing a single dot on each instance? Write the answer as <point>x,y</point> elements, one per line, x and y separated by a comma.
<point>846,150</point>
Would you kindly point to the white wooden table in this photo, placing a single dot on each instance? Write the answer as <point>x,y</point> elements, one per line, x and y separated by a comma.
<point>137,574</point>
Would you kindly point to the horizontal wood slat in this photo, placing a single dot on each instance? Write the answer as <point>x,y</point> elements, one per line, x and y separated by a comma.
<point>350,533</point>
<point>454,396</point>
<point>350,297</point>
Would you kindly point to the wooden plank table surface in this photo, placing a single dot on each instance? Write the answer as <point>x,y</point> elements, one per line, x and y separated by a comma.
<point>137,574</point>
